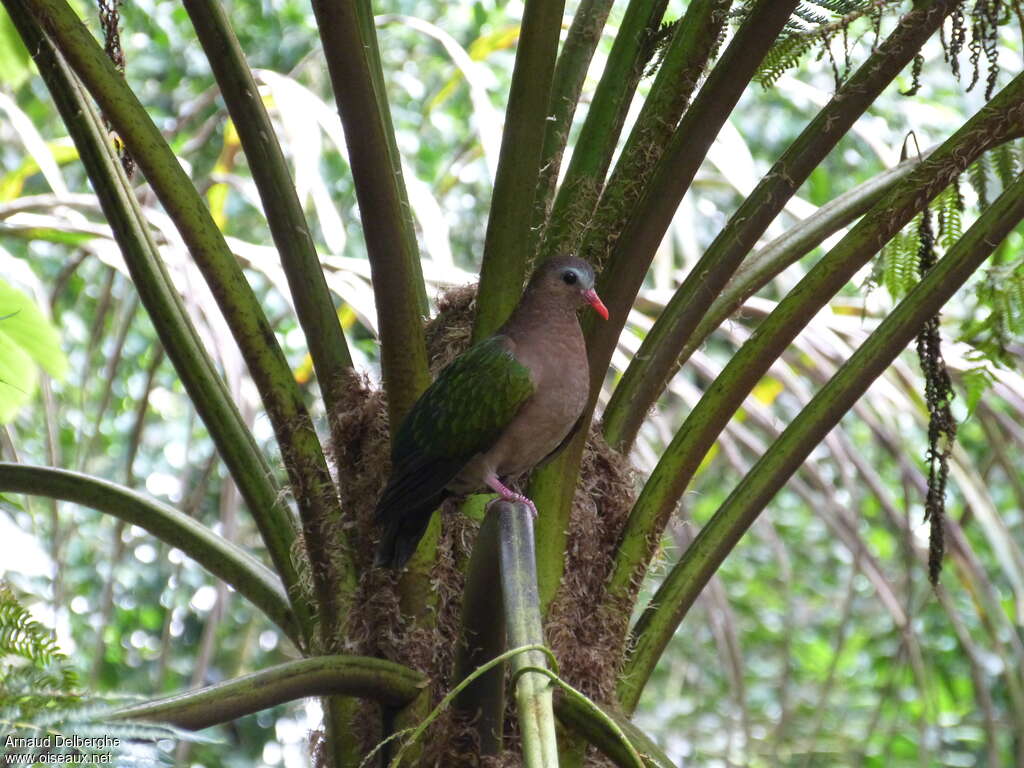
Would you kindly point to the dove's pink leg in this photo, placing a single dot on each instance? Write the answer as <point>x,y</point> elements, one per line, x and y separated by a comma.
<point>508,494</point>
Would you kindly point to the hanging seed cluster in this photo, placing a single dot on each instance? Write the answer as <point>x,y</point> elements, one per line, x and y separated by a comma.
<point>816,25</point>
<point>938,394</point>
<point>985,18</point>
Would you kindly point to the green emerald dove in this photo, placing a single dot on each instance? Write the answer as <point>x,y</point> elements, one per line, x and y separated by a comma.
<point>498,410</point>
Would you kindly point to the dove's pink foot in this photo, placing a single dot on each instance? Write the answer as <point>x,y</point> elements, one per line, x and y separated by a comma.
<point>507,494</point>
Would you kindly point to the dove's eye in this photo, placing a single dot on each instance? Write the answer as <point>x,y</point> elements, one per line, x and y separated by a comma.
<point>569,277</point>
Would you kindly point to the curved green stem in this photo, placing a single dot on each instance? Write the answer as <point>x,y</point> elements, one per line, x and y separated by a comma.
<point>762,266</point>
<point>357,676</point>
<point>206,389</point>
<point>705,554</point>
<point>658,358</point>
<point>227,561</point>
<point>624,746</point>
<point>416,733</point>
<point>311,483</point>
<point>610,732</point>
<point>508,227</point>
<point>1001,118</point>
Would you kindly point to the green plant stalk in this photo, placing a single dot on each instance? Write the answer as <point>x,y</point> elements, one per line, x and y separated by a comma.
<point>657,360</point>
<point>508,227</point>
<point>553,486</point>
<point>638,240</point>
<point>705,554</point>
<point>1000,119</point>
<point>523,627</point>
<point>357,676</point>
<point>199,375</point>
<point>311,483</point>
<point>227,561</point>
<point>758,269</point>
<point>592,154</point>
<point>299,259</point>
<point>566,86</point>
<point>684,62</point>
<point>483,638</point>
<point>608,738</point>
<point>353,62</point>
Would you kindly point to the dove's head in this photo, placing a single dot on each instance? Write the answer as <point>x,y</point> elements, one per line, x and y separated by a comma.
<point>568,280</point>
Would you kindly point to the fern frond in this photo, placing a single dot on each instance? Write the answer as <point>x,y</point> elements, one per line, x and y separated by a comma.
<point>950,207</point>
<point>1005,163</point>
<point>900,260</point>
<point>977,175</point>
<point>814,24</point>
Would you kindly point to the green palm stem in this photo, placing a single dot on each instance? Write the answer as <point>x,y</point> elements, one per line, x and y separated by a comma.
<point>311,484</point>
<point>552,488</point>
<point>658,358</point>
<point>519,161</point>
<point>227,561</point>
<point>1002,118</point>
<point>483,638</point>
<point>350,676</point>
<point>738,512</point>
<point>299,259</point>
<point>566,86</point>
<point>534,700</point>
<point>592,154</point>
<point>205,387</point>
<point>758,269</point>
<point>353,62</point>
<point>684,61</point>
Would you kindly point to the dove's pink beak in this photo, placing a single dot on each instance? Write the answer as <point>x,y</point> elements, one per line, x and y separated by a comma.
<point>595,301</point>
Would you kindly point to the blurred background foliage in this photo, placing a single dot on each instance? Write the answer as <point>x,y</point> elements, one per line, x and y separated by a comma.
<point>820,642</point>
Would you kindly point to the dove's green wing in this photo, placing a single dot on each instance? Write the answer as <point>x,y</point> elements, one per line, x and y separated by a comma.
<point>460,415</point>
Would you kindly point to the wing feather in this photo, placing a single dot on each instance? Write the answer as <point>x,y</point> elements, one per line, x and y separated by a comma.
<point>460,415</point>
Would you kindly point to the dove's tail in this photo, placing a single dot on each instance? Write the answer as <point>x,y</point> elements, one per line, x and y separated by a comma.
<point>402,533</point>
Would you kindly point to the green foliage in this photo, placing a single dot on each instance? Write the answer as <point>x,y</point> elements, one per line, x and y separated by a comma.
<point>33,671</point>
<point>814,25</point>
<point>899,260</point>
<point>998,320</point>
<point>41,698</point>
<point>27,339</point>
<point>976,382</point>
<point>978,175</point>
<point>950,208</point>
<point>14,57</point>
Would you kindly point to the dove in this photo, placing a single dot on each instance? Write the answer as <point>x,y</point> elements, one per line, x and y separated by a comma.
<point>494,413</point>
